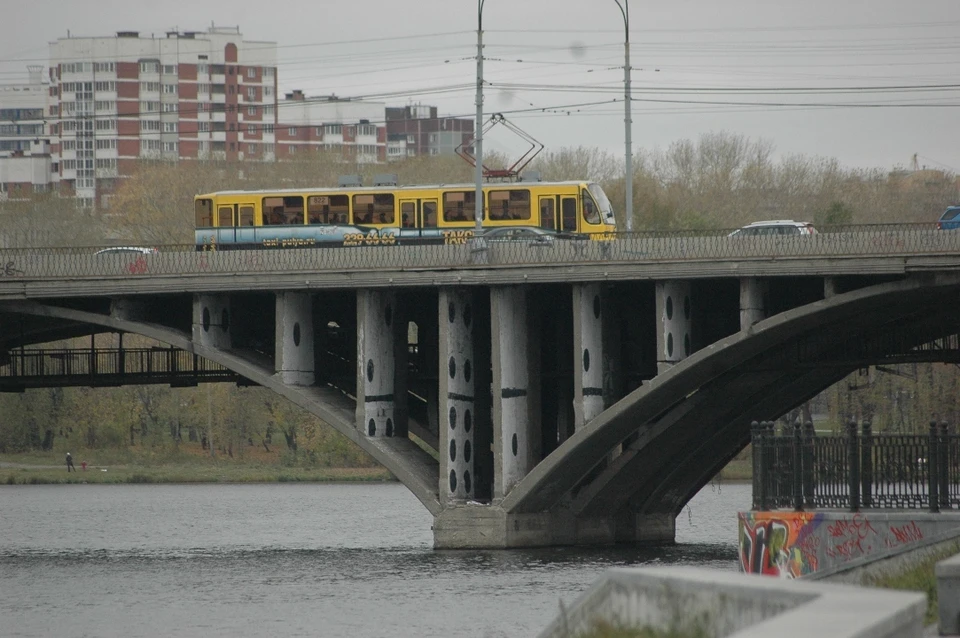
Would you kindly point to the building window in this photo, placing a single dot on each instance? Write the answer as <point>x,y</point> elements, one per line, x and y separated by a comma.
<point>251,110</point>
<point>169,127</point>
<point>149,125</point>
<point>202,68</point>
<point>153,87</point>
<point>170,147</point>
<point>267,91</point>
<point>169,69</point>
<point>170,89</point>
<point>333,129</point>
<point>268,110</point>
<point>267,128</point>
<point>252,149</point>
<point>251,92</point>
<point>292,149</point>
<point>103,67</point>
<point>149,67</point>
<point>251,73</point>
<point>170,107</point>
<point>251,129</point>
<point>292,131</point>
<point>106,86</point>
<point>203,127</point>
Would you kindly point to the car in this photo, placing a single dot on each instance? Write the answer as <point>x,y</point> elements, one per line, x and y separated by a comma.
<point>950,220</point>
<point>775,227</point>
<point>127,250</point>
<point>530,234</point>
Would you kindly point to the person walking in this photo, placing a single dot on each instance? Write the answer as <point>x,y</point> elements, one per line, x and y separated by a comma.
<point>70,463</point>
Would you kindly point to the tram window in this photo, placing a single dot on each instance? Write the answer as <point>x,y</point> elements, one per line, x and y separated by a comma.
<point>591,214</point>
<point>568,212</point>
<point>408,214</point>
<point>374,209</point>
<point>459,206</point>
<point>246,215</point>
<point>203,210</point>
<point>224,216</point>
<point>548,216</point>
<point>512,205</point>
<point>327,209</point>
<point>283,210</point>
<point>429,214</point>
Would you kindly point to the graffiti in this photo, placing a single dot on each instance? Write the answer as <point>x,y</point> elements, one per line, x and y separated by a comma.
<point>138,267</point>
<point>908,533</point>
<point>459,237</point>
<point>10,270</point>
<point>782,545</point>
<point>848,537</point>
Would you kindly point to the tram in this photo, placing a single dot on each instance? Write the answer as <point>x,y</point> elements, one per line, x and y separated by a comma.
<point>386,214</point>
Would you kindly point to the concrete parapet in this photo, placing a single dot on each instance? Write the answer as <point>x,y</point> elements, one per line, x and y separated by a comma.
<point>948,594</point>
<point>722,604</point>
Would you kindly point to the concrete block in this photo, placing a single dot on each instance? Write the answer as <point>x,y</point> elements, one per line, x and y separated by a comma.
<point>948,594</point>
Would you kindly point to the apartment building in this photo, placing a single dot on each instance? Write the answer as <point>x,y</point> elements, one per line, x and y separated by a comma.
<point>417,130</point>
<point>182,95</point>
<point>352,129</point>
<point>25,162</point>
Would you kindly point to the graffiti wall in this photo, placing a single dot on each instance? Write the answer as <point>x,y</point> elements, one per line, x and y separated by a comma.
<point>792,544</point>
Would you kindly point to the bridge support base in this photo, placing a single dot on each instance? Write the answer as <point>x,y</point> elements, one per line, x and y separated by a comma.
<point>476,526</point>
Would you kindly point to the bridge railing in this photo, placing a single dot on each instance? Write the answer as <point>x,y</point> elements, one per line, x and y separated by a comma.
<point>796,468</point>
<point>647,246</point>
<point>118,362</point>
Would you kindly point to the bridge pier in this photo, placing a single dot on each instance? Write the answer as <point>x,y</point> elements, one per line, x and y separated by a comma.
<point>753,308</point>
<point>475,526</point>
<point>211,321</point>
<point>674,339</point>
<point>588,353</point>
<point>293,349</point>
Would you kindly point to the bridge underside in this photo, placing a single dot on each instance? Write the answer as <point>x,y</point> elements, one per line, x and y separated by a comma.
<point>620,475</point>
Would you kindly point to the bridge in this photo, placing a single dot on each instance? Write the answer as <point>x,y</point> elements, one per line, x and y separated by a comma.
<point>575,392</point>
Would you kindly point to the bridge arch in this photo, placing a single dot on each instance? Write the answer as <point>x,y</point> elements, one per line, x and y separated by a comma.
<point>404,459</point>
<point>706,402</point>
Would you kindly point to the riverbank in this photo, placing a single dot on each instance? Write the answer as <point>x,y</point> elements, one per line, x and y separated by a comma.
<point>191,464</point>
<point>180,466</point>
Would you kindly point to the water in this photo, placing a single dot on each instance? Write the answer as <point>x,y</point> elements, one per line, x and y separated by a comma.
<point>292,560</point>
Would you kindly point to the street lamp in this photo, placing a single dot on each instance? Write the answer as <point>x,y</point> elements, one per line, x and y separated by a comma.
<point>478,134</point>
<point>625,12</point>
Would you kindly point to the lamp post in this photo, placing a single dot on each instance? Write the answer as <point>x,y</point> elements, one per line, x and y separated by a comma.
<point>625,12</point>
<point>478,131</point>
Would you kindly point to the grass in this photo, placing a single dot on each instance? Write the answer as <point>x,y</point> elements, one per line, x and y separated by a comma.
<point>189,463</point>
<point>921,578</point>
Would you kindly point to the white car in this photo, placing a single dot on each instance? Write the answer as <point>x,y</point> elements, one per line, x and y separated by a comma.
<point>127,250</point>
<point>775,227</point>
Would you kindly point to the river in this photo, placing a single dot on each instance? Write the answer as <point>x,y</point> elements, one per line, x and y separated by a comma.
<point>293,560</point>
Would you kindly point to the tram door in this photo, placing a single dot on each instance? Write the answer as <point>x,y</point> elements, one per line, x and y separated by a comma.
<point>418,218</point>
<point>548,212</point>
<point>568,214</point>
<point>226,224</point>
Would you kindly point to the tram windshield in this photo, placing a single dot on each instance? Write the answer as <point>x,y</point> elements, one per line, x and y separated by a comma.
<point>606,210</point>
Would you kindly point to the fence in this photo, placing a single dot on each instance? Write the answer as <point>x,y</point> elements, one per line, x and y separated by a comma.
<point>796,468</point>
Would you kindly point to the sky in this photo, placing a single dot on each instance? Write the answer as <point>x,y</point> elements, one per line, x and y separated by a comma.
<point>871,83</point>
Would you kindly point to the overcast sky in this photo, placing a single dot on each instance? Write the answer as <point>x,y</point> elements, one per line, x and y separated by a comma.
<point>802,75</point>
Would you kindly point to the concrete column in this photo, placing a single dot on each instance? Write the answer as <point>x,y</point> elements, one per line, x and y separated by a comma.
<point>211,321</point>
<point>752,301</point>
<point>516,422</point>
<point>829,287</point>
<point>293,345</point>
<point>587,353</point>
<point>674,339</point>
<point>457,403</point>
<point>376,362</point>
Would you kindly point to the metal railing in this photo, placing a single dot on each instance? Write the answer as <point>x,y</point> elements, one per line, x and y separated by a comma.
<point>882,240</point>
<point>109,365</point>
<point>796,468</point>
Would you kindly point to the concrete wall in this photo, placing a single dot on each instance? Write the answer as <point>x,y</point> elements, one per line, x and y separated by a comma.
<point>721,604</point>
<point>793,544</point>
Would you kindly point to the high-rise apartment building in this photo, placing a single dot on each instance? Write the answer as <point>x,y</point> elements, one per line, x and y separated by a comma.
<point>417,130</point>
<point>352,130</point>
<point>25,164</point>
<point>189,95</point>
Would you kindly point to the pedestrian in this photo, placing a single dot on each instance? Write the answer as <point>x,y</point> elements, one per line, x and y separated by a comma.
<point>70,463</point>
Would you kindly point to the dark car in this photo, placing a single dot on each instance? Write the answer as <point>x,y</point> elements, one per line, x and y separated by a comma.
<point>950,220</point>
<point>526,234</point>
